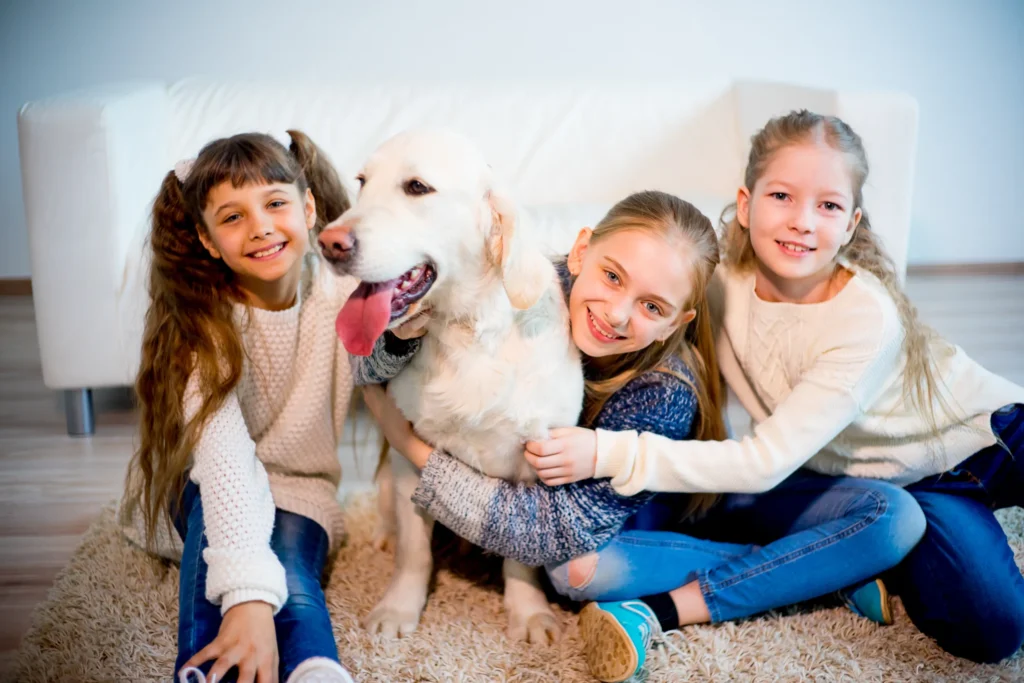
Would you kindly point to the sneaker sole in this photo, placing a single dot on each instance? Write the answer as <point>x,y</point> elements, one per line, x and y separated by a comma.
<point>607,647</point>
<point>887,619</point>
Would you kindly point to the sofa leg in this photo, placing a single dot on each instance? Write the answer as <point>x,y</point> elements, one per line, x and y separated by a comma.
<point>78,408</point>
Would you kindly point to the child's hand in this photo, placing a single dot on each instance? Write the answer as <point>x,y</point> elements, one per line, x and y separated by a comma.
<point>246,639</point>
<point>415,326</point>
<point>568,455</point>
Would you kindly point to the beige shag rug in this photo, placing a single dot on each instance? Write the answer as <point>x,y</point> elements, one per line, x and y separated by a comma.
<point>111,616</point>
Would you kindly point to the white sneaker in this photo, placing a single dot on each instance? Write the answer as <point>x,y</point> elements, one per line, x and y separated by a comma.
<point>320,670</point>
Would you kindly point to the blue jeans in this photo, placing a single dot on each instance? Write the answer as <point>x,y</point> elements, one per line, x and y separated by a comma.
<point>960,585</point>
<point>303,624</point>
<point>814,534</point>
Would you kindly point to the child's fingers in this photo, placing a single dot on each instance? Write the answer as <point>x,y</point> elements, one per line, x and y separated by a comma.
<point>267,672</point>
<point>542,448</point>
<point>223,665</point>
<point>543,463</point>
<point>554,473</point>
<point>415,326</point>
<point>211,651</point>
<point>535,461</point>
<point>247,671</point>
<point>558,481</point>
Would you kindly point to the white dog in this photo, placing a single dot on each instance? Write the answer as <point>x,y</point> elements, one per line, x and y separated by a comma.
<point>497,366</point>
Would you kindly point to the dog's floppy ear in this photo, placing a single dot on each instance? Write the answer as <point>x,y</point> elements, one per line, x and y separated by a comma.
<point>525,271</point>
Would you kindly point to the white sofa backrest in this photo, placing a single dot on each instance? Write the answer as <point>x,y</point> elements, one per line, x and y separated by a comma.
<point>92,161</point>
<point>551,146</point>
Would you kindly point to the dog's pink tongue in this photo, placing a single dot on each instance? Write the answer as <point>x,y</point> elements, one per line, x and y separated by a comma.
<point>364,317</point>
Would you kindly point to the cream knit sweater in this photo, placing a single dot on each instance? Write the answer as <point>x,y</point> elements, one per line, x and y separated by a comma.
<point>273,443</point>
<point>824,383</point>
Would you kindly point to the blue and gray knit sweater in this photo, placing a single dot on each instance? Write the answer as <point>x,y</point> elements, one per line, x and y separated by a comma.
<point>533,523</point>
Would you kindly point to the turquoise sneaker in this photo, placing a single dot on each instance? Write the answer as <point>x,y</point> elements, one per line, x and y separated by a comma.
<point>616,637</point>
<point>869,600</point>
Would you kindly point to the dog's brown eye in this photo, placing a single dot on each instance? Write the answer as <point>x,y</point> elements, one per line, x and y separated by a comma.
<point>416,188</point>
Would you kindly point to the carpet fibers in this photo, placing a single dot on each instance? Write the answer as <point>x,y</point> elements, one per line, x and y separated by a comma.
<point>112,612</point>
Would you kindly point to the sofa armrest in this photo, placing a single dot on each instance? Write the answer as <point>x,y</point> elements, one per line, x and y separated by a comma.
<point>91,163</point>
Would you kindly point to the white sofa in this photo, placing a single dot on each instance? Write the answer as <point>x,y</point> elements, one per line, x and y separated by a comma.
<point>91,162</point>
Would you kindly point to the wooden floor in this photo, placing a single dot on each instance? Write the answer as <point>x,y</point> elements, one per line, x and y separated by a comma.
<point>52,486</point>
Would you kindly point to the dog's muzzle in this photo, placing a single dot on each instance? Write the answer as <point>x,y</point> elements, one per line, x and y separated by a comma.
<point>338,245</point>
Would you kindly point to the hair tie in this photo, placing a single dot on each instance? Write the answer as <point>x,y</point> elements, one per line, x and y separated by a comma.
<point>183,168</point>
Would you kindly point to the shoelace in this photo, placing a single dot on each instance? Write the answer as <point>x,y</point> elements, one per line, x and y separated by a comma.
<point>655,633</point>
<point>184,674</point>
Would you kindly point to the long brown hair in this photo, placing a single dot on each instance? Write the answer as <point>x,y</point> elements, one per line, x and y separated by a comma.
<point>921,343</point>
<point>684,225</point>
<point>190,328</point>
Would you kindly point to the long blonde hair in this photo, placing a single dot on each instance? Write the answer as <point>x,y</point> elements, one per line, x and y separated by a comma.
<point>684,225</point>
<point>190,326</point>
<point>920,345</point>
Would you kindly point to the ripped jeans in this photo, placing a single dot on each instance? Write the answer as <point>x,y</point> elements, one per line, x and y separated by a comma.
<point>815,534</point>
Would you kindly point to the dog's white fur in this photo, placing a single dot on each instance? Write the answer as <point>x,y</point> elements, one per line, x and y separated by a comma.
<point>497,366</point>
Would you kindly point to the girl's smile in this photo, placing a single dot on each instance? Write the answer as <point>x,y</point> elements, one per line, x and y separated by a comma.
<point>601,331</point>
<point>799,214</point>
<point>268,253</point>
<point>261,231</point>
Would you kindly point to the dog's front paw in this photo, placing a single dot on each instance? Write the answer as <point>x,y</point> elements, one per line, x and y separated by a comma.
<point>539,628</point>
<point>392,621</point>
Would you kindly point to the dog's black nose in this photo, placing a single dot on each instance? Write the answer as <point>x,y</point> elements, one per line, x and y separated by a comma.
<point>337,244</point>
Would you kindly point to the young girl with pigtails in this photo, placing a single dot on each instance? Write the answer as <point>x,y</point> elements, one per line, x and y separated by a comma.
<point>243,390</point>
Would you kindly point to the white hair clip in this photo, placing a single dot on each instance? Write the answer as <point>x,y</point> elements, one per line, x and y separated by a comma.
<point>183,168</point>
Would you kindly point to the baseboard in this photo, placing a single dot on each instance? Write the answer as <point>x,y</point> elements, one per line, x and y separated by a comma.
<point>15,287</point>
<point>1010,268</point>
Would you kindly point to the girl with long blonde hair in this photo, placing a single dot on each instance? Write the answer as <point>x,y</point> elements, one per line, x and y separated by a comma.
<point>827,354</point>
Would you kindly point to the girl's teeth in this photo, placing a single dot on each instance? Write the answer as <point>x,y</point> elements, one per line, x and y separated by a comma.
<point>268,252</point>
<point>598,327</point>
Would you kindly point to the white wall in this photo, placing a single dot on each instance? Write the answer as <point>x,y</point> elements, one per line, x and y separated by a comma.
<point>964,62</point>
